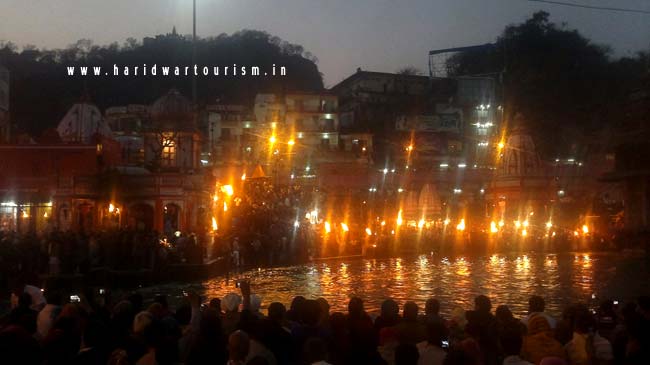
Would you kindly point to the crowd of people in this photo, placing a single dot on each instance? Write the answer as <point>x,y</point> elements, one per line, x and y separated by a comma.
<point>42,328</point>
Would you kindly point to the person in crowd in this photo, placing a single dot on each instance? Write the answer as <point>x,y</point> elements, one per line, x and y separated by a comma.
<point>388,342</point>
<point>536,305</point>
<point>606,319</point>
<point>209,343</point>
<point>230,305</point>
<point>238,347</point>
<point>363,348</point>
<point>277,336</point>
<point>505,320</point>
<point>511,343</point>
<point>587,347</point>
<point>482,327</point>
<point>23,315</point>
<point>432,312</point>
<point>410,330</point>
<point>539,341</point>
<point>315,352</point>
<point>456,325</point>
<point>48,314</point>
<point>388,317</point>
<point>431,351</point>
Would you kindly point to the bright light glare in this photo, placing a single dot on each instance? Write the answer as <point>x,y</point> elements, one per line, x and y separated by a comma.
<point>328,228</point>
<point>399,220</point>
<point>421,223</point>
<point>585,229</point>
<point>368,231</point>
<point>214,224</point>
<point>344,227</point>
<point>227,189</point>
<point>493,227</point>
<point>461,225</point>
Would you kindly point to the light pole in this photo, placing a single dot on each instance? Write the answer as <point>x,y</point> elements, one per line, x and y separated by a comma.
<point>194,50</point>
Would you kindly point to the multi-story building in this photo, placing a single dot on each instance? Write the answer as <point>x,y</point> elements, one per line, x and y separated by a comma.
<point>231,134</point>
<point>145,174</point>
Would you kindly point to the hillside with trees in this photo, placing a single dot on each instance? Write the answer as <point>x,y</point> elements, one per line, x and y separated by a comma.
<point>41,90</point>
<point>567,87</point>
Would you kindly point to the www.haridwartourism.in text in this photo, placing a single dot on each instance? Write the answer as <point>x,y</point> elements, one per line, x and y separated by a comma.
<point>194,70</point>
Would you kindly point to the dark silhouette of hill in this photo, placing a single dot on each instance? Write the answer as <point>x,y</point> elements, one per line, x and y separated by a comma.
<point>42,91</point>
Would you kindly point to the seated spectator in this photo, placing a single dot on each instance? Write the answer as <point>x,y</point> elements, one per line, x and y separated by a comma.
<point>410,330</point>
<point>539,341</point>
<point>511,343</point>
<point>431,351</point>
<point>536,305</point>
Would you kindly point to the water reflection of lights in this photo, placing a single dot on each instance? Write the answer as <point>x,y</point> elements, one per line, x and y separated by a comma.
<point>501,276</point>
<point>462,267</point>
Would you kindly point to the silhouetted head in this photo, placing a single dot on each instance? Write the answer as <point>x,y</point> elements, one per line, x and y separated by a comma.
<point>238,345</point>
<point>536,304</point>
<point>503,313</point>
<point>432,306</point>
<point>276,311</point>
<point>355,307</point>
<point>311,313</point>
<point>215,303</point>
<point>389,309</point>
<point>410,312</point>
<point>482,304</point>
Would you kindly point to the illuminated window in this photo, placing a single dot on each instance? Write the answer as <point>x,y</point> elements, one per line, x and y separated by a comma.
<point>168,151</point>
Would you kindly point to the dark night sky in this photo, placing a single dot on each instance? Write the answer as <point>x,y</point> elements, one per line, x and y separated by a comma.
<point>379,35</point>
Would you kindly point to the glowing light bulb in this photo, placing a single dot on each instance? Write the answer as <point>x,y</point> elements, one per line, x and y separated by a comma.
<point>493,227</point>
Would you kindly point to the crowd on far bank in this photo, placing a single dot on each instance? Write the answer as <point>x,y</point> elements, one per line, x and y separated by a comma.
<point>42,328</point>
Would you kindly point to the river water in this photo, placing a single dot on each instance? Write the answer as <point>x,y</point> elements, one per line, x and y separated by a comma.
<point>509,279</point>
